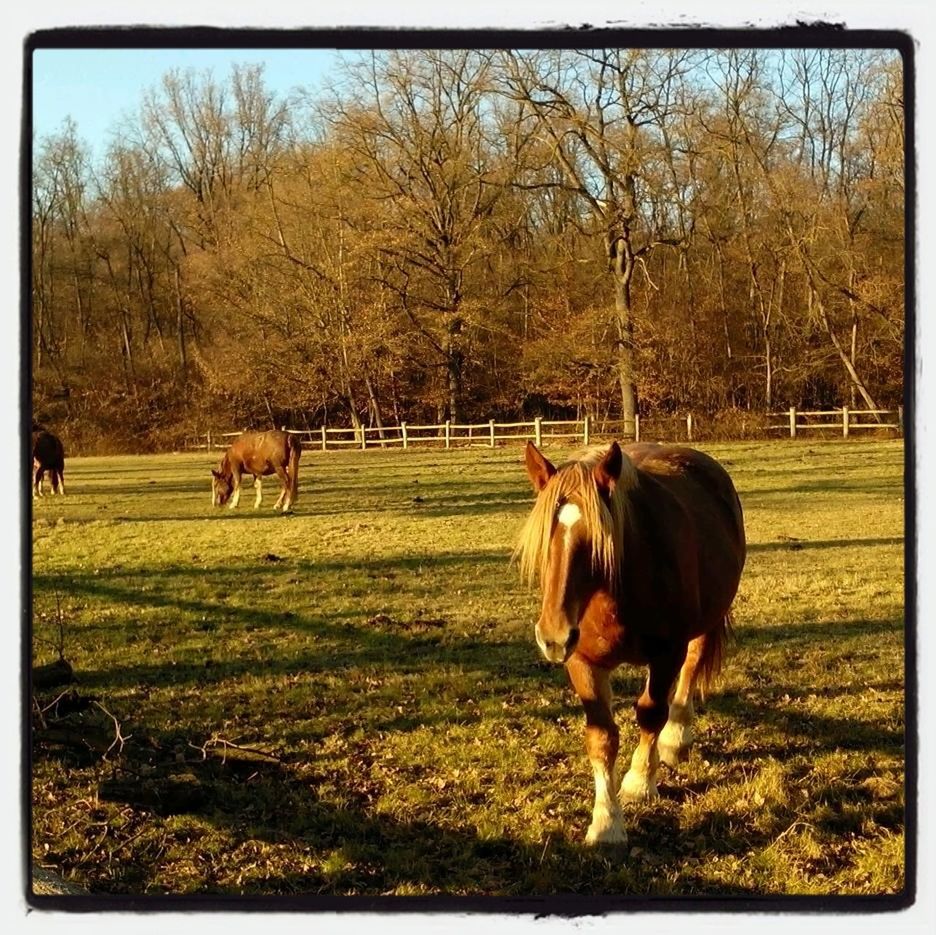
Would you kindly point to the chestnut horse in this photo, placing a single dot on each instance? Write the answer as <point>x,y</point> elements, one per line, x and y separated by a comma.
<point>48,454</point>
<point>260,454</point>
<point>639,553</point>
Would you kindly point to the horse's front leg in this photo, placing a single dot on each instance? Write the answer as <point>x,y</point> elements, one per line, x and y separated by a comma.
<point>258,486</point>
<point>593,686</point>
<point>639,783</point>
<point>235,499</point>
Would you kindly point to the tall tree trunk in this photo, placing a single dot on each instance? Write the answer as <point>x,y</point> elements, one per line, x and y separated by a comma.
<point>854,333</point>
<point>454,362</point>
<point>850,368</point>
<point>374,404</point>
<point>453,346</point>
<point>622,258</point>
<point>180,323</point>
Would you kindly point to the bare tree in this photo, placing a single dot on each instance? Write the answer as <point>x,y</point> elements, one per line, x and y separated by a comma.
<point>600,112</point>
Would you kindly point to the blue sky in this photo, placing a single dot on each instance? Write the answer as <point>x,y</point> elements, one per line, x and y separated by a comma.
<point>95,87</point>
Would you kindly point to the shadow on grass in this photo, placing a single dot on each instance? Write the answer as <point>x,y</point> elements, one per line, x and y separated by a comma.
<point>795,545</point>
<point>818,732</point>
<point>336,642</point>
<point>309,508</point>
<point>354,848</point>
<point>824,634</point>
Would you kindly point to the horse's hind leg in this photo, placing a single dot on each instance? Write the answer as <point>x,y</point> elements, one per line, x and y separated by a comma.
<point>258,486</point>
<point>593,686</point>
<point>283,498</point>
<point>58,482</point>
<point>639,782</point>
<point>677,736</point>
<point>37,482</point>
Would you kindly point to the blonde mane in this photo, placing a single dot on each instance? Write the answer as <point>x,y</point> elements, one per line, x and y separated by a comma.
<point>604,524</point>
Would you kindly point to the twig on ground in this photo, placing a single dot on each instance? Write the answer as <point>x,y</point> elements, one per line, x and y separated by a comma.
<point>119,737</point>
<point>216,741</point>
<point>42,720</point>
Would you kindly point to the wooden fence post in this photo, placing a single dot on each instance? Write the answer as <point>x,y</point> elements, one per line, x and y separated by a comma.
<point>448,433</point>
<point>403,430</point>
<point>363,438</point>
<point>491,423</point>
<point>636,426</point>
<point>689,426</point>
<point>900,419</point>
<point>586,434</point>
<point>324,440</point>
<point>538,430</point>
<point>792,421</point>
<point>209,439</point>
<point>845,421</point>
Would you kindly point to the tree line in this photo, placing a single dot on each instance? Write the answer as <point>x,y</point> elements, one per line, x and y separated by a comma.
<point>467,234</point>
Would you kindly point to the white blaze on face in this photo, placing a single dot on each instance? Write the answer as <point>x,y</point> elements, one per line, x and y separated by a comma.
<point>569,515</point>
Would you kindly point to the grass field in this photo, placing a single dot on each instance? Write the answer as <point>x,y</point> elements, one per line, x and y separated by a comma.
<point>371,656</point>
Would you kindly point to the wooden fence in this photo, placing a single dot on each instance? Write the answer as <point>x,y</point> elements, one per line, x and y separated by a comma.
<point>488,434</point>
<point>844,419</point>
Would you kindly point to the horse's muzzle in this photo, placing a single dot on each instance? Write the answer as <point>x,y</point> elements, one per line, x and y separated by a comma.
<point>558,651</point>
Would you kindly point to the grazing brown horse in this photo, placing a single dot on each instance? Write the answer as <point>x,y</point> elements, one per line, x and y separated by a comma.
<point>48,454</point>
<point>260,454</point>
<point>639,553</point>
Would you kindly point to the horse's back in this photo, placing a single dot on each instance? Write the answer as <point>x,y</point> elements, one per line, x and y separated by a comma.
<point>262,452</point>
<point>691,475</point>
<point>707,497</point>
<point>48,450</point>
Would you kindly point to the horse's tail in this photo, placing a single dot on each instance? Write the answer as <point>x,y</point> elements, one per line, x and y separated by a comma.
<point>714,648</point>
<point>294,444</point>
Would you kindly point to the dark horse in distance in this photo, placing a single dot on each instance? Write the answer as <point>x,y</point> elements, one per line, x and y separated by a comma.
<point>48,454</point>
<point>259,454</point>
<point>639,553</point>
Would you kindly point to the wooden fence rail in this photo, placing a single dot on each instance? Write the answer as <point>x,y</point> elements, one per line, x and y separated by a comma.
<point>837,418</point>
<point>488,434</point>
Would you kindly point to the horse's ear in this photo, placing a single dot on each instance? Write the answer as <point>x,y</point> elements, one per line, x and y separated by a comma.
<point>608,469</point>
<point>215,473</point>
<point>538,467</point>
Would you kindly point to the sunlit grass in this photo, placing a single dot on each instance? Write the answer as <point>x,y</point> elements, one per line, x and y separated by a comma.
<point>378,644</point>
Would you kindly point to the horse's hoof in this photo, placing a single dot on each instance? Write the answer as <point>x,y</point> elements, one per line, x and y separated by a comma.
<point>636,788</point>
<point>606,834</point>
<point>673,756</point>
<point>674,743</point>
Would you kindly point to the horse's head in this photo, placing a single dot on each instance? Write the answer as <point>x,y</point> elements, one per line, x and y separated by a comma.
<point>222,486</point>
<point>569,541</point>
